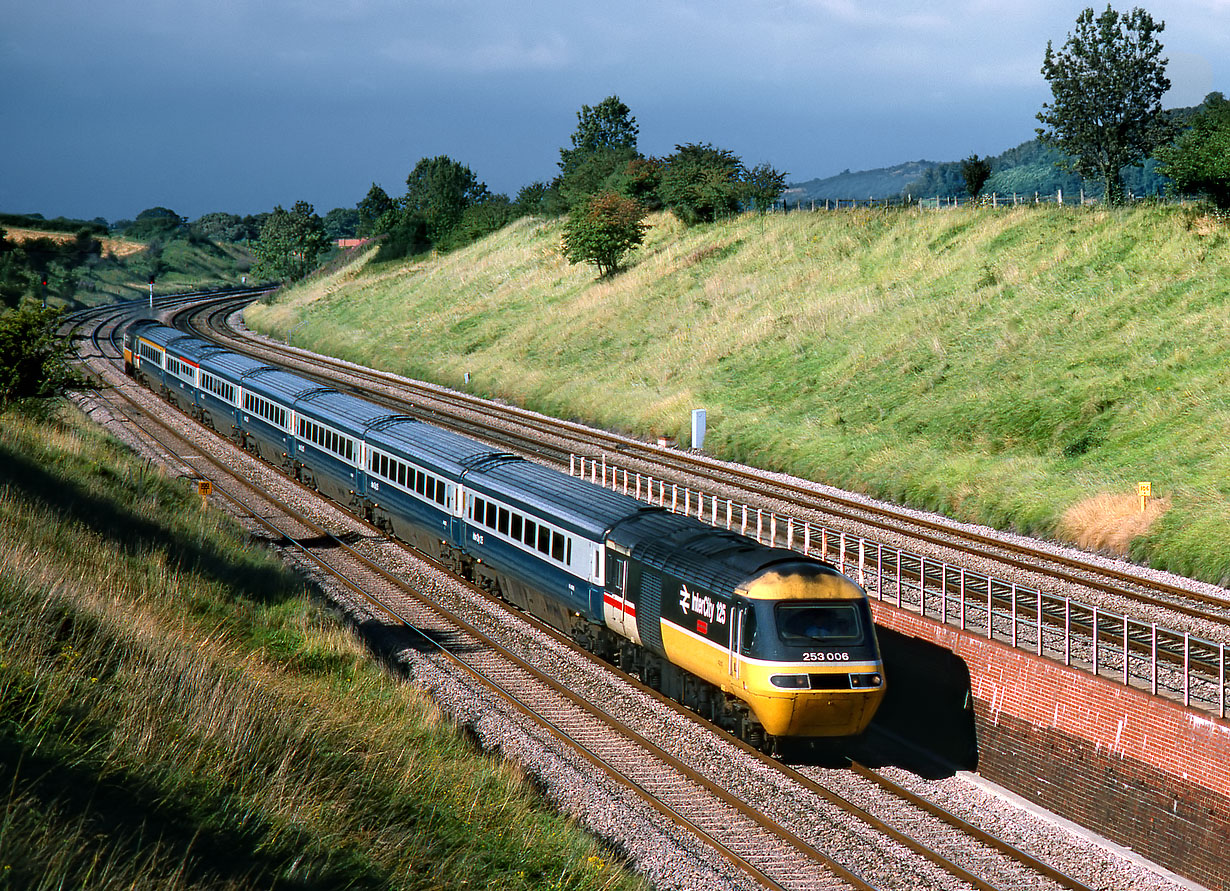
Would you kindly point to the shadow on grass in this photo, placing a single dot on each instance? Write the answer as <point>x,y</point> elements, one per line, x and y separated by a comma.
<point>127,817</point>
<point>135,534</point>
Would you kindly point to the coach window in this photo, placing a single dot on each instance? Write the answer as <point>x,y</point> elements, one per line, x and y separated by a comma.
<point>502,528</point>
<point>557,547</point>
<point>531,531</point>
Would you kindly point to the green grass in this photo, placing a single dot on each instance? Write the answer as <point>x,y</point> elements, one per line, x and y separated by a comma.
<point>1001,366</point>
<point>177,712</point>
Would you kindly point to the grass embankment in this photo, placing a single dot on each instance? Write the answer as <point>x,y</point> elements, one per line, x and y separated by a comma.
<point>1023,367</point>
<point>176,712</point>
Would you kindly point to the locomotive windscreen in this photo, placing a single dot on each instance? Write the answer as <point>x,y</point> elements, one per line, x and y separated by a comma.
<point>804,624</point>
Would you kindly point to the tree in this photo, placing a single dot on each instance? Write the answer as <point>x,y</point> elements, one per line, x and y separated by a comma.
<point>602,145</point>
<point>763,185</point>
<point>641,181</point>
<point>603,230</point>
<point>291,242</point>
<point>531,199</point>
<point>975,171</point>
<point>219,226</point>
<point>701,182</point>
<point>439,190</point>
<point>341,222</point>
<point>34,358</point>
<point>1198,161</point>
<point>1107,82</point>
<point>376,212</point>
<point>155,224</point>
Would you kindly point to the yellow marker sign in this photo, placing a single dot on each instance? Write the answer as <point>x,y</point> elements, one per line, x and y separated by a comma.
<point>204,487</point>
<point>1144,490</point>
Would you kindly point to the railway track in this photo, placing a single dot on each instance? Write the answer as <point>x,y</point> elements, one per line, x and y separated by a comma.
<point>771,825</point>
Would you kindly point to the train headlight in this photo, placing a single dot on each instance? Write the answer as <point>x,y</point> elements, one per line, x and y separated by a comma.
<point>790,681</point>
<point>862,681</point>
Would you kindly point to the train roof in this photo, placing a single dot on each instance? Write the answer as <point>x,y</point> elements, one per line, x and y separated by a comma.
<point>432,448</point>
<point>230,365</point>
<point>350,413</point>
<point>193,348</point>
<point>155,332</point>
<point>274,383</point>
<point>684,547</point>
<point>574,503</point>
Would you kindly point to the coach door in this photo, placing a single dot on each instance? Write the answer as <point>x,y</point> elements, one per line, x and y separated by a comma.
<point>618,611</point>
<point>740,635</point>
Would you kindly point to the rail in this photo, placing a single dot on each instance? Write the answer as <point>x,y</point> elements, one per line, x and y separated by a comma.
<point>1142,655</point>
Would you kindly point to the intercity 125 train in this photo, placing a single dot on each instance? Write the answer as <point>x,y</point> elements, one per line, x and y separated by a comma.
<point>763,641</point>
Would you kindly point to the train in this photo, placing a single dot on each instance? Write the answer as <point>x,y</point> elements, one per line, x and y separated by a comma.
<point>763,641</point>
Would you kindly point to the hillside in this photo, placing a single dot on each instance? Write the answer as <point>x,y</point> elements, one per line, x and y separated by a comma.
<point>1019,367</point>
<point>83,268</point>
<point>882,182</point>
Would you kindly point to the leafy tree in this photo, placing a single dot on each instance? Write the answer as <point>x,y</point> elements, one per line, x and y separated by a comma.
<point>1199,159</point>
<point>641,180</point>
<point>341,222</point>
<point>701,183</point>
<point>975,171</point>
<point>531,199</point>
<point>603,230</point>
<point>602,145</point>
<point>405,238</point>
<point>376,212</point>
<point>16,276</point>
<point>218,226</point>
<point>763,185</point>
<point>480,220</point>
<point>34,358</point>
<point>291,242</point>
<point>439,190</point>
<point>1107,82</point>
<point>155,224</point>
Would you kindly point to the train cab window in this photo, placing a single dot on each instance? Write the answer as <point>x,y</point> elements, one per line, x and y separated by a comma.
<point>807,624</point>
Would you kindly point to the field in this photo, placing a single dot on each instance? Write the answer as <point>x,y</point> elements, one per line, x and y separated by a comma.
<point>178,712</point>
<point>1020,367</point>
<point>115,247</point>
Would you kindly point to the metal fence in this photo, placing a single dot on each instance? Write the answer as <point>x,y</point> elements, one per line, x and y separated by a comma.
<point>1159,660</point>
<point>939,202</point>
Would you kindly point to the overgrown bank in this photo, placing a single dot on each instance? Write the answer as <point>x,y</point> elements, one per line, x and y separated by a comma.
<point>176,712</point>
<point>999,365</point>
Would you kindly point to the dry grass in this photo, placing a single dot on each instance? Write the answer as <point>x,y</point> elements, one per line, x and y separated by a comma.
<point>1108,523</point>
<point>116,247</point>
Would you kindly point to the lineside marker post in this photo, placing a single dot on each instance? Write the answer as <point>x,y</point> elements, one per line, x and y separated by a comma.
<point>1144,490</point>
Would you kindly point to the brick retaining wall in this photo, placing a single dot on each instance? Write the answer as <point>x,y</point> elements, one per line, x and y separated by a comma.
<point>1138,769</point>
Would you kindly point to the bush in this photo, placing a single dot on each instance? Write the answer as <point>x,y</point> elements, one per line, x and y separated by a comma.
<point>33,357</point>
